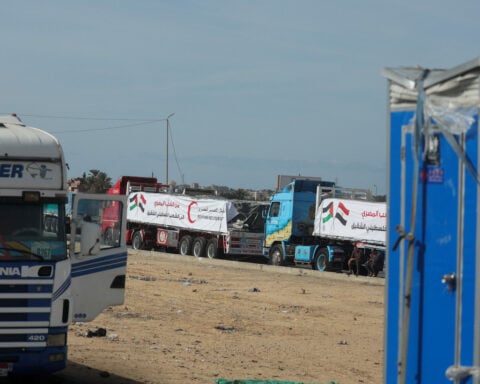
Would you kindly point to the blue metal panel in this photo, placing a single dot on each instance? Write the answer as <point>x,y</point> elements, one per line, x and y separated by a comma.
<point>394,283</point>
<point>432,335</point>
<point>304,253</point>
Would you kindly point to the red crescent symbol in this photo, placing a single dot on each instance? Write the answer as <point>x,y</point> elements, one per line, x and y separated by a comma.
<point>189,209</point>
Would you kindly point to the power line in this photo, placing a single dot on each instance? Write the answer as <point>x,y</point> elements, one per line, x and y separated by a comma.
<point>108,128</point>
<point>88,118</point>
<point>175,156</point>
<point>139,122</point>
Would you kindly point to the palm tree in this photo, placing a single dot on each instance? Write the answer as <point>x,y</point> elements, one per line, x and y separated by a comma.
<point>96,182</point>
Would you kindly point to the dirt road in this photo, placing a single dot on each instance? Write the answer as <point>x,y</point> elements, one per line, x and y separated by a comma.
<point>188,320</point>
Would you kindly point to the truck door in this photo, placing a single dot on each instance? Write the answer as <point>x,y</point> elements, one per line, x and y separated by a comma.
<point>272,224</point>
<point>99,262</point>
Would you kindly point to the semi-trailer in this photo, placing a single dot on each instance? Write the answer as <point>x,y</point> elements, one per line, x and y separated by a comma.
<point>316,223</point>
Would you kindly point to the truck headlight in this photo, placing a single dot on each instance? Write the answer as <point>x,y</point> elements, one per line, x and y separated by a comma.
<point>57,340</point>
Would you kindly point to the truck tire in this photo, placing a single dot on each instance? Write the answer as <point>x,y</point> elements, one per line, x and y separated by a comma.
<point>276,255</point>
<point>198,247</point>
<point>137,240</point>
<point>212,248</point>
<point>185,246</point>
<point>320,261</point>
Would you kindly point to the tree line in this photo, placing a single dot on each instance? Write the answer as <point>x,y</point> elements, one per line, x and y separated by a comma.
<point>97,181</point>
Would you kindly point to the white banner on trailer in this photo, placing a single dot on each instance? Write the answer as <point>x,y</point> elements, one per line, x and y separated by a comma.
<point>180,211</point>
<point>353,220</point>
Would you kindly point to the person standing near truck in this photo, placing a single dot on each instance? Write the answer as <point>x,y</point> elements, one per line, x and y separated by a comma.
<point>374,263</point>
<point>354,258</point>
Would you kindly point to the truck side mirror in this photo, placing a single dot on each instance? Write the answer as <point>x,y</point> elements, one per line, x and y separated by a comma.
<point>264,212</point>
<point>90,239</point>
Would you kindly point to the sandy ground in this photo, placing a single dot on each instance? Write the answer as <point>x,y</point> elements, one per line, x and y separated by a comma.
<point>188,320</point>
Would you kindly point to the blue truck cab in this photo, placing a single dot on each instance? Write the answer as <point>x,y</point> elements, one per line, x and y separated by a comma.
<point>289,224</point>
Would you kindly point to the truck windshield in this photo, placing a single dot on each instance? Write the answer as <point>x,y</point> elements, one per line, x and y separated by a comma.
<point>32,231</point>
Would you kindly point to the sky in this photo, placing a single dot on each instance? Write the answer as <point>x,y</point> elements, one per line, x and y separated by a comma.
<point>257,89</point>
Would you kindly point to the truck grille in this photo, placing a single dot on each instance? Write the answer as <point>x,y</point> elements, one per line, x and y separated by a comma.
<point>25,306</point>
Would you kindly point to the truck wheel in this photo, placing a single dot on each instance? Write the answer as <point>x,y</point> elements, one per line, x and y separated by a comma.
<point>276,255</point>
<point>198,247</point>
<point>321,260</point>
<point>137,241</point>
<point>185,246</point>
<point>212,248</point>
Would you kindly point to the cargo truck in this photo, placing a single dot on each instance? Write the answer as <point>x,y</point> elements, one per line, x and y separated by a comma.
<point>192,225</point>
<point>315,223</point>
<point>48,277</point>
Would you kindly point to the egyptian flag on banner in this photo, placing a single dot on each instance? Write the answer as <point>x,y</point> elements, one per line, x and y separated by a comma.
<point>342,211</point>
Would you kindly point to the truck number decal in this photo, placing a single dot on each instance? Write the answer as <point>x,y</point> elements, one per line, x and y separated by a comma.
<point>37,338</point>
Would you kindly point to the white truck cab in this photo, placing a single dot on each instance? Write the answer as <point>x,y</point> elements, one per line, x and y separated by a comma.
<point>48,278</point>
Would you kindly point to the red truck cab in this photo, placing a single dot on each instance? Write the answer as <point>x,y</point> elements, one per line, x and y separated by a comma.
<point>123,186</point>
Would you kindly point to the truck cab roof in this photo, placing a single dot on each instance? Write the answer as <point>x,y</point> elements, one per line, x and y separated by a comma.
<point>19,141</point>
<point>306,185</point>
<point>30,159</point>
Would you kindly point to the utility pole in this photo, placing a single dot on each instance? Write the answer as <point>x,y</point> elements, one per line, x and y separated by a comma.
<point>166,152</point>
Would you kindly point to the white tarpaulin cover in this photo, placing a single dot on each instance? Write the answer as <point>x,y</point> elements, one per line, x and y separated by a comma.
<point>180,211</point>
<point>352,220</point>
